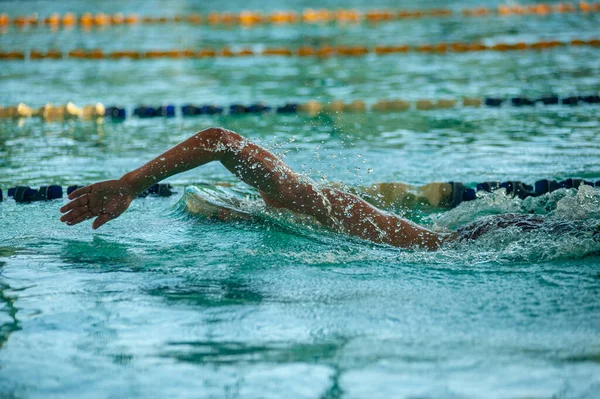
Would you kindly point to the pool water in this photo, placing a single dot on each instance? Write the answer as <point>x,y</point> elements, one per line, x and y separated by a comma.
<point>160,303</point>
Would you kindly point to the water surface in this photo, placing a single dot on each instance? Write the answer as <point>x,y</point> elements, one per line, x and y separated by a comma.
<point>159,303</point>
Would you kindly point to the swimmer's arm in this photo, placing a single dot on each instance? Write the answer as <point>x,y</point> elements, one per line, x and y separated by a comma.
<point>248,161</point>
<point>262,170</point>
<point>363,220</point>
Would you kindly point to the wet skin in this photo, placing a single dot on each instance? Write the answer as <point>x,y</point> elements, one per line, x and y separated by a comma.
<point>278,184</point>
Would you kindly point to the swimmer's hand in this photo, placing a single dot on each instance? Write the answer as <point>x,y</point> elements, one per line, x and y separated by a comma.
<point>105,201</point>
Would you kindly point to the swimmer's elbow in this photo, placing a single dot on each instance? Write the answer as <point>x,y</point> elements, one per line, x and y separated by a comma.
<point>219,138</point>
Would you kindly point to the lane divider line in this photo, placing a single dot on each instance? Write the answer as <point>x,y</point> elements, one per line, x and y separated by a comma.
<point>303,51</point>
<point>386,195</point>
<point>50,112</point>
<point>307,16</point>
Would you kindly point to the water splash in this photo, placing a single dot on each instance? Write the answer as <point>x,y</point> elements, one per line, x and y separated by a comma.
<point>567,226</point>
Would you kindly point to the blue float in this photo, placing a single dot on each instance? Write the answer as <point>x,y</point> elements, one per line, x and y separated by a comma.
<point>145,112</point>
<point>590,99</point>
<point>549,100</point>
<point>258,108</point>
<point>570,100</point>
<point>70,189</point>
<point>523,190</point>
<point>237,109</point>
<point>190,110</point>
<point>508,186</point>
<point>574,183</point>
<point>289,108</point>
<point>115,112</point>
<point>22,194</point>
<point>27,194</point>
<point>469,194</point>
<point>166,110</point>
<point>518,189</point>
<point>46,193</point>
<point>211,110</point>
<point>488,186</point>
<point>457,193</point>
<point>493,102</point>
<point>520,102</point>
<point>161,189</point>
<point>545,186</point>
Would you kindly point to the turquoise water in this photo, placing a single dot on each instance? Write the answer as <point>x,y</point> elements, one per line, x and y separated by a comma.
<point>159,303</point>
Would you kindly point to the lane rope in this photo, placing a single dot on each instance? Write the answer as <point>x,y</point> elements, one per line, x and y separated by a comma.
<point>439,195</point>
<point>307,16</point>
<point>51,112</point>
<point>303,51</point>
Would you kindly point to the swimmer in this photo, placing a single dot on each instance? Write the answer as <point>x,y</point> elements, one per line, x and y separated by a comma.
<point>279,186</point>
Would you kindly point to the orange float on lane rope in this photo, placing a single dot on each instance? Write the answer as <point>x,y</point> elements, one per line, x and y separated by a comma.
<point>283,17</point>
<point>445,103</point>
<point>277,51</point>
<point>324,51</point>
<point>131,19</point>
<point>354,51</point>
<point>471,101</point>
<point>347,15</point>
<point>207,52</point>
<point>102,19</point>
<point>125,54</point>
<point>379,15</point>
<point>93,111</point>
<point>355,106</point>
<point>249,18</point>
<point>52,19</point>
<point>245,52</point>
<point>311,107</point>
<point>95,54</point>
<point>117,19</point>
<point>336,106</point>
<point>424,105</point>
<point>12,55</point>
<point>68,19</point>
<point>306,51</point>
<point>52,54</point>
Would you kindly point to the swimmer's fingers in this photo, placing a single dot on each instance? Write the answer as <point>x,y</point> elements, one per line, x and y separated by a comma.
<point>75,213</point>
<point>100,220</point>
<point>81,202</point>
<point>115,209</point>
<point>80,218</point>
<point>80,191</point>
